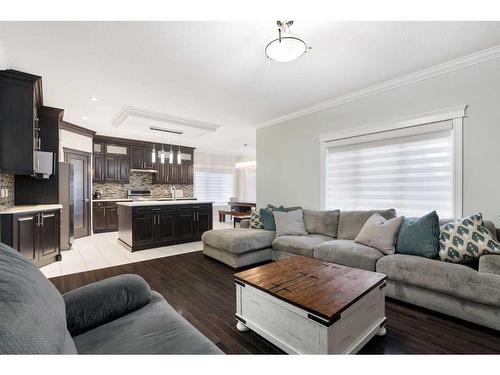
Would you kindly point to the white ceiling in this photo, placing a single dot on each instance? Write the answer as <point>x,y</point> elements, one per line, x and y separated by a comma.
<point>216,72</point>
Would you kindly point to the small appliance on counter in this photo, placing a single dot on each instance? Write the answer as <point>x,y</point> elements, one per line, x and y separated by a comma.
<point>97,195</point>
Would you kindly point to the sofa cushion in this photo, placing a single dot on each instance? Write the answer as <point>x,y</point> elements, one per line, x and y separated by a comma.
<point>238,240</point>
<point>419,237</point>
<point>453,279</point>
<point>300,245</point>
<point>154,329</point>
<point>322,222</point>
<point>489,264</point>
<point>348,253</point>
<point>351,222</point>
<point>290,223</point>
<point>32,311</point>
<point>380,233</point>
<point>465,240</point>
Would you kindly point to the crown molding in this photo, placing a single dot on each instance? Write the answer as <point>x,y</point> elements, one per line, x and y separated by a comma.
<point>437,70</point>
<point>131,111</point>
<point>431,117</point>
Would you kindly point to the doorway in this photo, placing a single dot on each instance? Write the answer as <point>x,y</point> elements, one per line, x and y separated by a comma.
<point>82,173</point>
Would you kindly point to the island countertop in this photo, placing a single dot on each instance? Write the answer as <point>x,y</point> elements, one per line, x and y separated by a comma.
<point>146,203</point>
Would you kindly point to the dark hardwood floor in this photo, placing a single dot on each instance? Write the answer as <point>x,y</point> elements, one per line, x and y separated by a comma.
<point>202,290</point>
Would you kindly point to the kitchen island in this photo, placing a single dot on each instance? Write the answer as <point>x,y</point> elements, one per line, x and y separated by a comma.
<point>147,224</point>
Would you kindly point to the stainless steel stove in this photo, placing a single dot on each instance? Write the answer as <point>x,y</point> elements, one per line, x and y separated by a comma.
<point>139,195</point>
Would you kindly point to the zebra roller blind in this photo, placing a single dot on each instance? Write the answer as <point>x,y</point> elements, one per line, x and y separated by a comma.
<point>411,171</point>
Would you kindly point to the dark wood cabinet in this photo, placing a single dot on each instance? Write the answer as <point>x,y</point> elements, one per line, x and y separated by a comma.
<point>144,228</point>
<point>153,226</point>
<point>122,169</point>
<point>99,165</point>
<point>105,217</point>
<point>140,158</point>
<point>34,234</point>
<point>20,100</point>
<point>115,157</point>
<point>48,234</point>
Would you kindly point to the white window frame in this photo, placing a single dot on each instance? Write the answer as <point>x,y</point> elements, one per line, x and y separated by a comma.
<point>409,125</point>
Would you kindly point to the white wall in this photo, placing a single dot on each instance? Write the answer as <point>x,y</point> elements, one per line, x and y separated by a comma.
<point>288,154</point>
<point>73,141</point>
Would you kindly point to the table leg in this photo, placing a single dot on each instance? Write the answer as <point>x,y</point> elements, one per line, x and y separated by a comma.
<point>241,327</point>
<point>382,331</point>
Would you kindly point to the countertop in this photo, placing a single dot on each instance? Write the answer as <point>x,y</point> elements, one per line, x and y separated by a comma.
<point>31,208</point>
<point>112,200</point>
<point>147,200</point>
<point>161,203</point>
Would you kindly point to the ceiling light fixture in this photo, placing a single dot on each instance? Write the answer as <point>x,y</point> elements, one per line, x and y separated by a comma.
<point>85,118</point>
<point>287,46</point>
<point>94,99</point>
<point>153,154</point>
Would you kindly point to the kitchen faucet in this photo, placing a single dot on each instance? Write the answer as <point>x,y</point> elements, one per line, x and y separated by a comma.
<point>173,192</point>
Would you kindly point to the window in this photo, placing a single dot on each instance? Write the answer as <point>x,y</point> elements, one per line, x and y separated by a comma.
<point>213,185</point>
<point>251,185</point>
<point>409,169</point>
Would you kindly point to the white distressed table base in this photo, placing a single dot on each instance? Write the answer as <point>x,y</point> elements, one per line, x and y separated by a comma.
<point>297,331</point>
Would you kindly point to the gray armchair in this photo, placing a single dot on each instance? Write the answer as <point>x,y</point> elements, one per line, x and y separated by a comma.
<point>118,315</point>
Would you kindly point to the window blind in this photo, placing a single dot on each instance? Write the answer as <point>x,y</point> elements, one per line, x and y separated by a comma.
<point>251,185</point>
<point>213,185</point>
<point>413,174</point>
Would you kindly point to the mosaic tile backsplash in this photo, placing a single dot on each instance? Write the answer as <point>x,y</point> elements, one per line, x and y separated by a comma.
<point>7,182</point>
<point>138,181</point>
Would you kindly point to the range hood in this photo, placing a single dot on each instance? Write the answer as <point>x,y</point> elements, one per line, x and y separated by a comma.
<point>143,170</point>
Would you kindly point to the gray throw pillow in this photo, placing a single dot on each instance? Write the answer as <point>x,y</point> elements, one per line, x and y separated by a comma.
<point>322,222</point>
<point>351,222</point>
<point>380,233</point>
<point>289,223</point>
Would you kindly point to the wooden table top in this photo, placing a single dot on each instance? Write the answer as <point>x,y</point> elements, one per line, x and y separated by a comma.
<point>322,288</point>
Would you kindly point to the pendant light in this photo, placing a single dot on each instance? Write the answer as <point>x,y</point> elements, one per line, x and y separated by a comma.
<point>286,46</point>
<point>162,155</point>
<point>171,154</point>
<point>153,154</point>
<point>179,156</point>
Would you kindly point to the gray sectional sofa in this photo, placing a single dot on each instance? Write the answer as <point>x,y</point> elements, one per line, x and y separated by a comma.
<point>118,315</point>
<point>471,294</point>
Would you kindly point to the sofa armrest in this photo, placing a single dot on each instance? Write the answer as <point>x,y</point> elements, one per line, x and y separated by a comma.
<point>489,264</point>
<point>101,302</point>
<point>245,223</point>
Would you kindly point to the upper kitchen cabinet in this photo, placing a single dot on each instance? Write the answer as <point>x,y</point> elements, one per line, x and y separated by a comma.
<point>111,161</point>
<point>20,102</point>
<point>140,158</point>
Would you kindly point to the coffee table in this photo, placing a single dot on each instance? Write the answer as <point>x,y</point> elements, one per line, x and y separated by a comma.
<point>308,306</point>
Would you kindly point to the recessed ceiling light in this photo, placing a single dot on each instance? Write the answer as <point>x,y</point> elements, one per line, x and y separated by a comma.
<point>85,118</point>
<point>94,99</point>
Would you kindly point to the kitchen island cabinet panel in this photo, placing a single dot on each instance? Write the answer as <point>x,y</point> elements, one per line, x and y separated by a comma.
<point>147,225</point>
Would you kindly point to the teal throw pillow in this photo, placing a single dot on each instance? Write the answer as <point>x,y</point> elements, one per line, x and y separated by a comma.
<point>419,237</point>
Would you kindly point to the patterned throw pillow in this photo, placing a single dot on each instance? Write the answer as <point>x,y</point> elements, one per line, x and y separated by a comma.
<point>465,240</point>
<point>256,221</point>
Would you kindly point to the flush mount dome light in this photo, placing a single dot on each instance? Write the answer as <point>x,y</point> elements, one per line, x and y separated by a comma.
<point>287,46</point>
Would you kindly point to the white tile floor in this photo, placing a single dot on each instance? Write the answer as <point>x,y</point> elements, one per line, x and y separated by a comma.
<point>103,250</point>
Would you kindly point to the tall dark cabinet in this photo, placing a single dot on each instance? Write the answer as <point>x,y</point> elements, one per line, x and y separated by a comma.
<point>27,126</point>
<point>20,101</point>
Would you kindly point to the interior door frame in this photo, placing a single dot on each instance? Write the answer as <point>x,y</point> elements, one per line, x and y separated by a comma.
<point>87,155</point>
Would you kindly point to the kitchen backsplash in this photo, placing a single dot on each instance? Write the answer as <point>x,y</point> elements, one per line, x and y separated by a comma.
<point>7,182</point>
<point>138,181</point>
